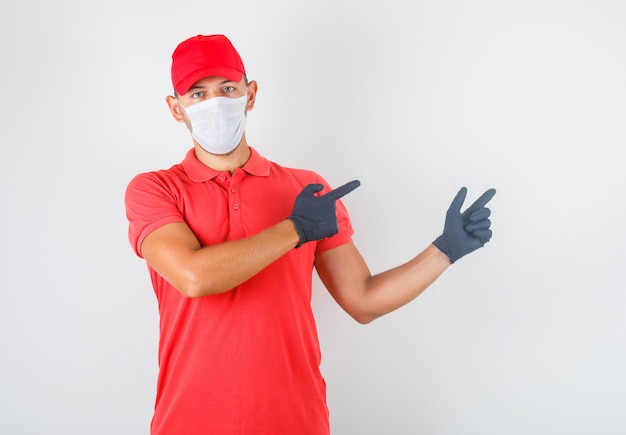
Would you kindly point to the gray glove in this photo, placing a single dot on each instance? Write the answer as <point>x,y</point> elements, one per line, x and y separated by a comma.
<point>315,217</point>
<point>465,232</point>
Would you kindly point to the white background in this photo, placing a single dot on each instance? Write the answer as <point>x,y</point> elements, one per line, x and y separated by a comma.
<point>415,99</point>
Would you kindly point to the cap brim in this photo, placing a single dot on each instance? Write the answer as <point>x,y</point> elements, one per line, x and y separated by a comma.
<point>183,86</point>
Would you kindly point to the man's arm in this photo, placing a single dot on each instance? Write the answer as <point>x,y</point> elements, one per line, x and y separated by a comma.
<point>365,297</point>
<point>174,252</point>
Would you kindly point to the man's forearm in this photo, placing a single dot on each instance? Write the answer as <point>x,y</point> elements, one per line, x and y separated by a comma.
<point>389,290</point>
<point>220,268</point>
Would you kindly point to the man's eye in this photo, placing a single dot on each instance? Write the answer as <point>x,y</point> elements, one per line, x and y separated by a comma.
<point>197,94</point>
<point>229,89</point>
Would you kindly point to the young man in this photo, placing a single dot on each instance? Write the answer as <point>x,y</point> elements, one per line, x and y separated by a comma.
<point>231,239</point>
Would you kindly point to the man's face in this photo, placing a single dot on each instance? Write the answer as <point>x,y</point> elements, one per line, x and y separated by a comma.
<point>210,87</point>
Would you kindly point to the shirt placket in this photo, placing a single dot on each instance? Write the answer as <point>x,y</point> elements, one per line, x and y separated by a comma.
<point>235,206</point>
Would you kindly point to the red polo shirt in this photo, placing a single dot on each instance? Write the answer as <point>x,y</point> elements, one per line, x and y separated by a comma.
<point>245,361</point>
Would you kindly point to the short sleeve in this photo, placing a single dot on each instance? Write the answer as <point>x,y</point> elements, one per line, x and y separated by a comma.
<point>150,203</point>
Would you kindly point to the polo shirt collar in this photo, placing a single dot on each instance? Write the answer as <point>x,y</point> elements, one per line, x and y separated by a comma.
<point>199,172</point>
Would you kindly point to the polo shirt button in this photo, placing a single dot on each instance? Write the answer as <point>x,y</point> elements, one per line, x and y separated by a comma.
<point>236,206</point>
<point>233,190</point>
<point>222,177</point>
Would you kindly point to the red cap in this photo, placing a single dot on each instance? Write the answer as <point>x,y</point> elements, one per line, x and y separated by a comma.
<point>203,56</point>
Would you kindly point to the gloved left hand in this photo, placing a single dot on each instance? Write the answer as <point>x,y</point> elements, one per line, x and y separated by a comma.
<point>465,232</point>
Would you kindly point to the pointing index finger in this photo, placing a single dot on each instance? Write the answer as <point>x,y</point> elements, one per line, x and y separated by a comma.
<point>343,190</point>
<point>482,201</point>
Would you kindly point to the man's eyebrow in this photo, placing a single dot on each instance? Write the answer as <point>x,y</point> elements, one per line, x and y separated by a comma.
<point>202,87</point>
<point>223,82</point>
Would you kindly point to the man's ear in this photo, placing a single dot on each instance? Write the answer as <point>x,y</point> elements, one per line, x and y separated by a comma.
<point>253,88</point>
<point>172,103</point>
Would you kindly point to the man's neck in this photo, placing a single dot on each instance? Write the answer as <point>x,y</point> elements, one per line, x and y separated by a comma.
<point>226,162</point>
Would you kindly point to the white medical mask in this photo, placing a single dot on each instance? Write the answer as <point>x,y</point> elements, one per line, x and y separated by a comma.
<point>218,123</point>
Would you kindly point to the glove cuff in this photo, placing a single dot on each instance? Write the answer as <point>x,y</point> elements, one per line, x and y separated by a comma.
<point>301,234</point>
<point>443,244</point>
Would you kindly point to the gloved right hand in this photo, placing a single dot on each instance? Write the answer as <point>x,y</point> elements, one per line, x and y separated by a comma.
<point>465,232</point>
<point>315,217</point>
